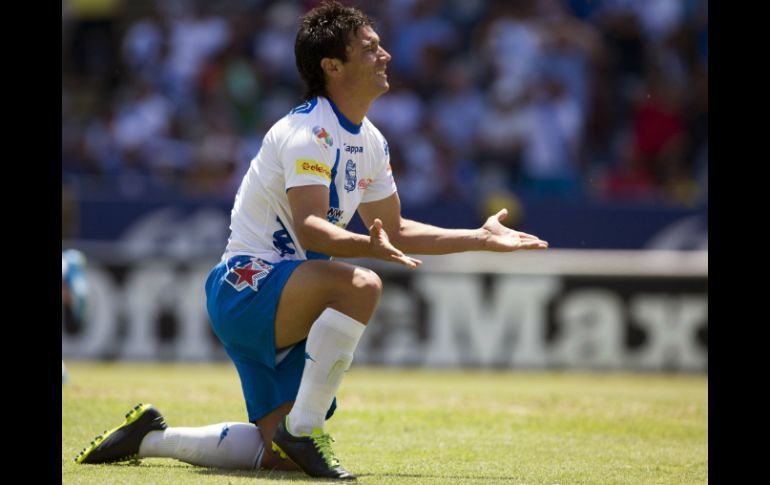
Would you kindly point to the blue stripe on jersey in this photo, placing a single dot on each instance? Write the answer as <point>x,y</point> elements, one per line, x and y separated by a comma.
<point>305,107</point>
<point>344,122</point>
<point>334,199</point>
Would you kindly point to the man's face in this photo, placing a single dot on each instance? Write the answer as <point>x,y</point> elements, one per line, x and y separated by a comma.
<point>364,72</point>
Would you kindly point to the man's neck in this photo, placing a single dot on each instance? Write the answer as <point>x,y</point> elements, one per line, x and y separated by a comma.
<point>354,109</point>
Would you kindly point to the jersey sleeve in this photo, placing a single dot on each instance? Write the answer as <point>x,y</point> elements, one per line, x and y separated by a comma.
<point>383,185</point>
<point>306,160</point>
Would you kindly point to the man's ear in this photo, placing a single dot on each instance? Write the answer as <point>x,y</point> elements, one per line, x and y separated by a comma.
<point>331,67</point>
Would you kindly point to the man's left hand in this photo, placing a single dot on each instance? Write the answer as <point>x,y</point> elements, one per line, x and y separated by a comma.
<point>499,238</point>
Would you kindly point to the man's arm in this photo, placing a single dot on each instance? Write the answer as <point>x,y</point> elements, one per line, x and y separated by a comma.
<point>309,205</point>
<point>418,238</point>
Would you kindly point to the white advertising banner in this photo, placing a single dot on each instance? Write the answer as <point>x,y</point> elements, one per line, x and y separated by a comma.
<point>551,310</point>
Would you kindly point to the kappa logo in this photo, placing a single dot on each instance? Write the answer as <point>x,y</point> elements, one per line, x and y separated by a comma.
<point>323,136</point>
<point>350,176</point>
<point>353,149</point>
<point>248,274</point>
<point>313,167</point>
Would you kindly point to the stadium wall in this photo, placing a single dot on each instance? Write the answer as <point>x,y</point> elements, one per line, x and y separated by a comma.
<point>154,225</point>
<point>560,309</point>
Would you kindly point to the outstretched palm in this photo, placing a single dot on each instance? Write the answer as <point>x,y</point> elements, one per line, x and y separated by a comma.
<point>501,238</point>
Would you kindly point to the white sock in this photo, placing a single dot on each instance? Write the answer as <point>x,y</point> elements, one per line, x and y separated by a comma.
<point>224,445</point>
<point>329,351</point>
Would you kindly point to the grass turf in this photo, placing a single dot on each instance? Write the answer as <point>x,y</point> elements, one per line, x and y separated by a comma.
<point>397,426</point>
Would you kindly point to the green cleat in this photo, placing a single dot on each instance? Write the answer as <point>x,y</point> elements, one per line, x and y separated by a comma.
<point>122,443</point>
<point>311,452</point>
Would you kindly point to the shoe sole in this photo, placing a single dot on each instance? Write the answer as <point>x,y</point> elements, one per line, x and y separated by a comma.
<point>277,449</point>
<point>131,417</point>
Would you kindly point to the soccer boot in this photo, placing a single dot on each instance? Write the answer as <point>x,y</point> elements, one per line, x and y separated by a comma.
<point>122,443</point>
<point>311,452</point>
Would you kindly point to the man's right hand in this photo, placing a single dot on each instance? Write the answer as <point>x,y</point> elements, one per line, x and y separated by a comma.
<point>381,248</point>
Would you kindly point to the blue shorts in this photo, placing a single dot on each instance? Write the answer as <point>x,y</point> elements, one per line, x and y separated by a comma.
<point>242,296</point>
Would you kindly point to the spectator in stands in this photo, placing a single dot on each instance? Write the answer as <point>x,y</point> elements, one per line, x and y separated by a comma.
<point>550,163</point>
<point>140,132</point>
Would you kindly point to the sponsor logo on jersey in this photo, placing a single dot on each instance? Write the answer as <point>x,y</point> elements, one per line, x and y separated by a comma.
<point>364,183</point>
<point>248,274</point>
<point>223,434</point>
<point>350,176</point>
<point>282,240</point>
<point>323,136</point>
<point>313,167</point>
<point>353,149</point>
<point>334,214</point>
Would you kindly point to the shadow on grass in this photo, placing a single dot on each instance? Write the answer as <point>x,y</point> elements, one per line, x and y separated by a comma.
<point>301,477</point>
<point>277,475</point>
<point>283,476</point>
<point>461,478</point>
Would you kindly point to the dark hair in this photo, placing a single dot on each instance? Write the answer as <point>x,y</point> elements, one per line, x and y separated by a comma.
<point>324,32</point>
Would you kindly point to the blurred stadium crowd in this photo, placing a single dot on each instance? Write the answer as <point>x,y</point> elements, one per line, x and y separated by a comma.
<point>604,100</point>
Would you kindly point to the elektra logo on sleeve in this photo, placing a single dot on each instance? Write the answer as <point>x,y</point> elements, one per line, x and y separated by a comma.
<point>313,167</point>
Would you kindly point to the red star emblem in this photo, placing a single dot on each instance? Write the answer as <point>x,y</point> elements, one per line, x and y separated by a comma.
<point>248,274</point>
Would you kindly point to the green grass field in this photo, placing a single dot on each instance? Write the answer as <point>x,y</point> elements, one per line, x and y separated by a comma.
<point>422,427</point>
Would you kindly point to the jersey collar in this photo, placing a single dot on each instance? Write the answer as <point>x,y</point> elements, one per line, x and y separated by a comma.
<point>344,122</point>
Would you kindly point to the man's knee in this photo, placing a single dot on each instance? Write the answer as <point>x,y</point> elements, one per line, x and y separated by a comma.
<point>352,290</point>
<point>367,285</point>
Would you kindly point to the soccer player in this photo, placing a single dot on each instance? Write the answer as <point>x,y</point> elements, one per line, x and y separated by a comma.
<point>289,317</point>
<point>74,292</point>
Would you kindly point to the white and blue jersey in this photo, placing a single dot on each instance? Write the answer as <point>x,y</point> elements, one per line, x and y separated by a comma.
<point>312,145</point>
